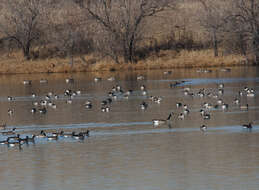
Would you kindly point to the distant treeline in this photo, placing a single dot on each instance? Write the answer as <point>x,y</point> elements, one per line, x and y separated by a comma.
<point>128,30</point>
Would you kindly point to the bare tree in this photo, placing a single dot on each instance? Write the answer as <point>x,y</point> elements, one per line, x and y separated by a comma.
<point>21,22</point>
<point>213,20</point>
<point>246,16</point>
<point>122,20</point>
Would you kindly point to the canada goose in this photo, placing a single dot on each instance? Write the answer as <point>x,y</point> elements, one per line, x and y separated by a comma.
<point>43,111</point>
<point>203,128</point>
<point>12,132</point>
<point>248,126</point>
<point>5,141</point>
<point>10,112</point>
<point>78,136</point>
<point>15,137</point>
<point>67,134</point>
<point>143,105</point>
<point>52,137</point>
<point>41,135</point>
<point>157,122</point>
<point>221,86</point>
<point>236,101</point>
<point>10,98</point>
<point>14,143</point>
<point>181,116</point>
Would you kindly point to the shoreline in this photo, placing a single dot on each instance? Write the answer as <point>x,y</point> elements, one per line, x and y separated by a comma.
<point>167,59</point>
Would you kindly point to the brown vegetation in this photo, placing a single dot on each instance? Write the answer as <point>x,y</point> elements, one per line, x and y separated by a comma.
<point>90,35</point>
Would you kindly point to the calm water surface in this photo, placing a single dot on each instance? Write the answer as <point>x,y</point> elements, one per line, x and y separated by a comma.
<point>125,151</point>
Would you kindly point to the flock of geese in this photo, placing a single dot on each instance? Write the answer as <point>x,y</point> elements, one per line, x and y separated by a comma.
<point>207,107</point>
<point>48,101</point>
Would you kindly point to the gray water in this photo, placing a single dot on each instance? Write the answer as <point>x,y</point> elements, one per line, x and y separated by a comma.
<point>124,150</point>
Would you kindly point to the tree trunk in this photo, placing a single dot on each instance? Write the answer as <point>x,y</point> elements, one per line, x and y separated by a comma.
<point>215,43</point>
<point>26,51</point>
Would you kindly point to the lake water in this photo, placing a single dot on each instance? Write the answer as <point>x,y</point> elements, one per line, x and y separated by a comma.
<point>124,150</point>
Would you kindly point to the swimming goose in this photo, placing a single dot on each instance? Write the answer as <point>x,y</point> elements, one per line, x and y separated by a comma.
<point>248,126</point>
<point>43,111</point>
<point>67,134</point>
<point>157,122</point>
<point>12,132</point>
<point>41,135</point>
<point>10,112</point>
<point>10,98</point>
<point>15,137</point>
<point>78,136</point>
<point>14,143</point>
<point>143,105</point>
<point>5,141</point>
<point>52,137</point>
<point>203,128</point>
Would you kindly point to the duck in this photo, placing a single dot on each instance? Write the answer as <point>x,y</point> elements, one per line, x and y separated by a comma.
<point>12,132</point>
<point>157,122</point>
<point>3,126</point>
<point>247,126</point>
<point>203,128</point>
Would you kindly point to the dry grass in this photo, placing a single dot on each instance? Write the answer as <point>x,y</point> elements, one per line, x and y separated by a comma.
<point>169,59</point>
